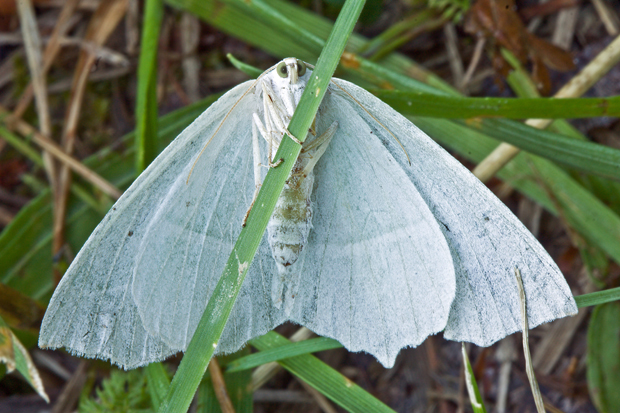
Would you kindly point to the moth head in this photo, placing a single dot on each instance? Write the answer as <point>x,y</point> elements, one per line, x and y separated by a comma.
<point>291,69</point>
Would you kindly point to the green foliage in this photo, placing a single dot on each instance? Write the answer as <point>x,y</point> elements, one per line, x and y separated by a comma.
<point>452,9</point>
<point>122,392</point>
<point>475,398</point>
<point>322,377</point>
<point>604,357</point>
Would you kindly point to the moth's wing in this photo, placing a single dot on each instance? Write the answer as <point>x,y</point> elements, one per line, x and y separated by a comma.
<point>487,241</point>
<point>377,273</point>
<point>191,234</point>
<point>92,312</point>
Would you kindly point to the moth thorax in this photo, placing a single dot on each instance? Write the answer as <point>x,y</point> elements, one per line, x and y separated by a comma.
<point>291,221</point>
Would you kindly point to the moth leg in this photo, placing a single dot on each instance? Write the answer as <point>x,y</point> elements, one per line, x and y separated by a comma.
<point>273,106</point>
<point>277,106</point>
<point>272,109</point>
<point>287,98</point>
<point>257,165</point>
<point>266,132</point>
<point>280,125</point>
<point>318,145</point>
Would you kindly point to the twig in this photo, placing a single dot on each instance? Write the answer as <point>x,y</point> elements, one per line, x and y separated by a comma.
<point>608,17</point>
<point>190,33</point>
<point>132,32</point>
<point>32,44</point>
<point>102,23</point>
<point>540,406</point>
<point>475,59</point>
<point>71,392</point>
<point>51,51</point>
<point>56,151</point>
<point>454,58</point>
<point>505,355</point>
<point>219,385</point>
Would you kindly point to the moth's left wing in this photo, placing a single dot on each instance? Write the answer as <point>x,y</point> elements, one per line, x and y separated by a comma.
<point>192,233</point>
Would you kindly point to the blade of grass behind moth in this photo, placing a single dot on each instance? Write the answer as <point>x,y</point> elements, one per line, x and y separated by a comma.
<point>453,107</point>
<point>475,397</point>
<point>599,297</point>
<point>158,381</point>
<point>323,378</point>
<point>203,343</point>
<point>312,345</point>
<point>146,99</point>
<point>249,70</point>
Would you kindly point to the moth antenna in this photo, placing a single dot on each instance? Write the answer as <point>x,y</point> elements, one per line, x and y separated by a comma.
<point>224,120</point>
<point>376,120</point>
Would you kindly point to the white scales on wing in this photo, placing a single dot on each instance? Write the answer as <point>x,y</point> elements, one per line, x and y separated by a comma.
<point>375,250</point>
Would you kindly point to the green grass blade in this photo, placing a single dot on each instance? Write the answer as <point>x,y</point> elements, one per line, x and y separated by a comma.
<point>158,381</point>
<point>326,380</point>
<point>581,155</point>
<point>439,106</point>
<point>475,398</point>
<point>604,357</point>
<point>249,70</point>
<point>21,146</point>
<point>312,345</point>
<point>203,343</point>
<point>146,99</point>
<point>599,297</point>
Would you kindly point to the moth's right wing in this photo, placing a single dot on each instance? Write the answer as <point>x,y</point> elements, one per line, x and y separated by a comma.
<point>98,309</point>
<point>377,272</point>
<point>486,239</point>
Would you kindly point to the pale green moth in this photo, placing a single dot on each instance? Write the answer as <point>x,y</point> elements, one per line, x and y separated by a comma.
<point>376,245</point>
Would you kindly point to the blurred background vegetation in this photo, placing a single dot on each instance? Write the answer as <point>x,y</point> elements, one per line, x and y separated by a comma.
<point>91,91</point>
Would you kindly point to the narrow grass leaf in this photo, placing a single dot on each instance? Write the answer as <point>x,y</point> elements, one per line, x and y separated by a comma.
<point>146,99</point>
<point>475,398</point>
<point>599,297</point>
<point>439,106</point>
<point>326,380</point>
<point>603,372</point>
<point>157,381</point>
<point>312,345</point>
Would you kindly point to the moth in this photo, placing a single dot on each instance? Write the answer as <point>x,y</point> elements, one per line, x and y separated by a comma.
<point>379,239</point>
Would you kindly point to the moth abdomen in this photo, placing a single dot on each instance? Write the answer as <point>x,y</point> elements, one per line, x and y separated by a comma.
<point>291,222</point>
